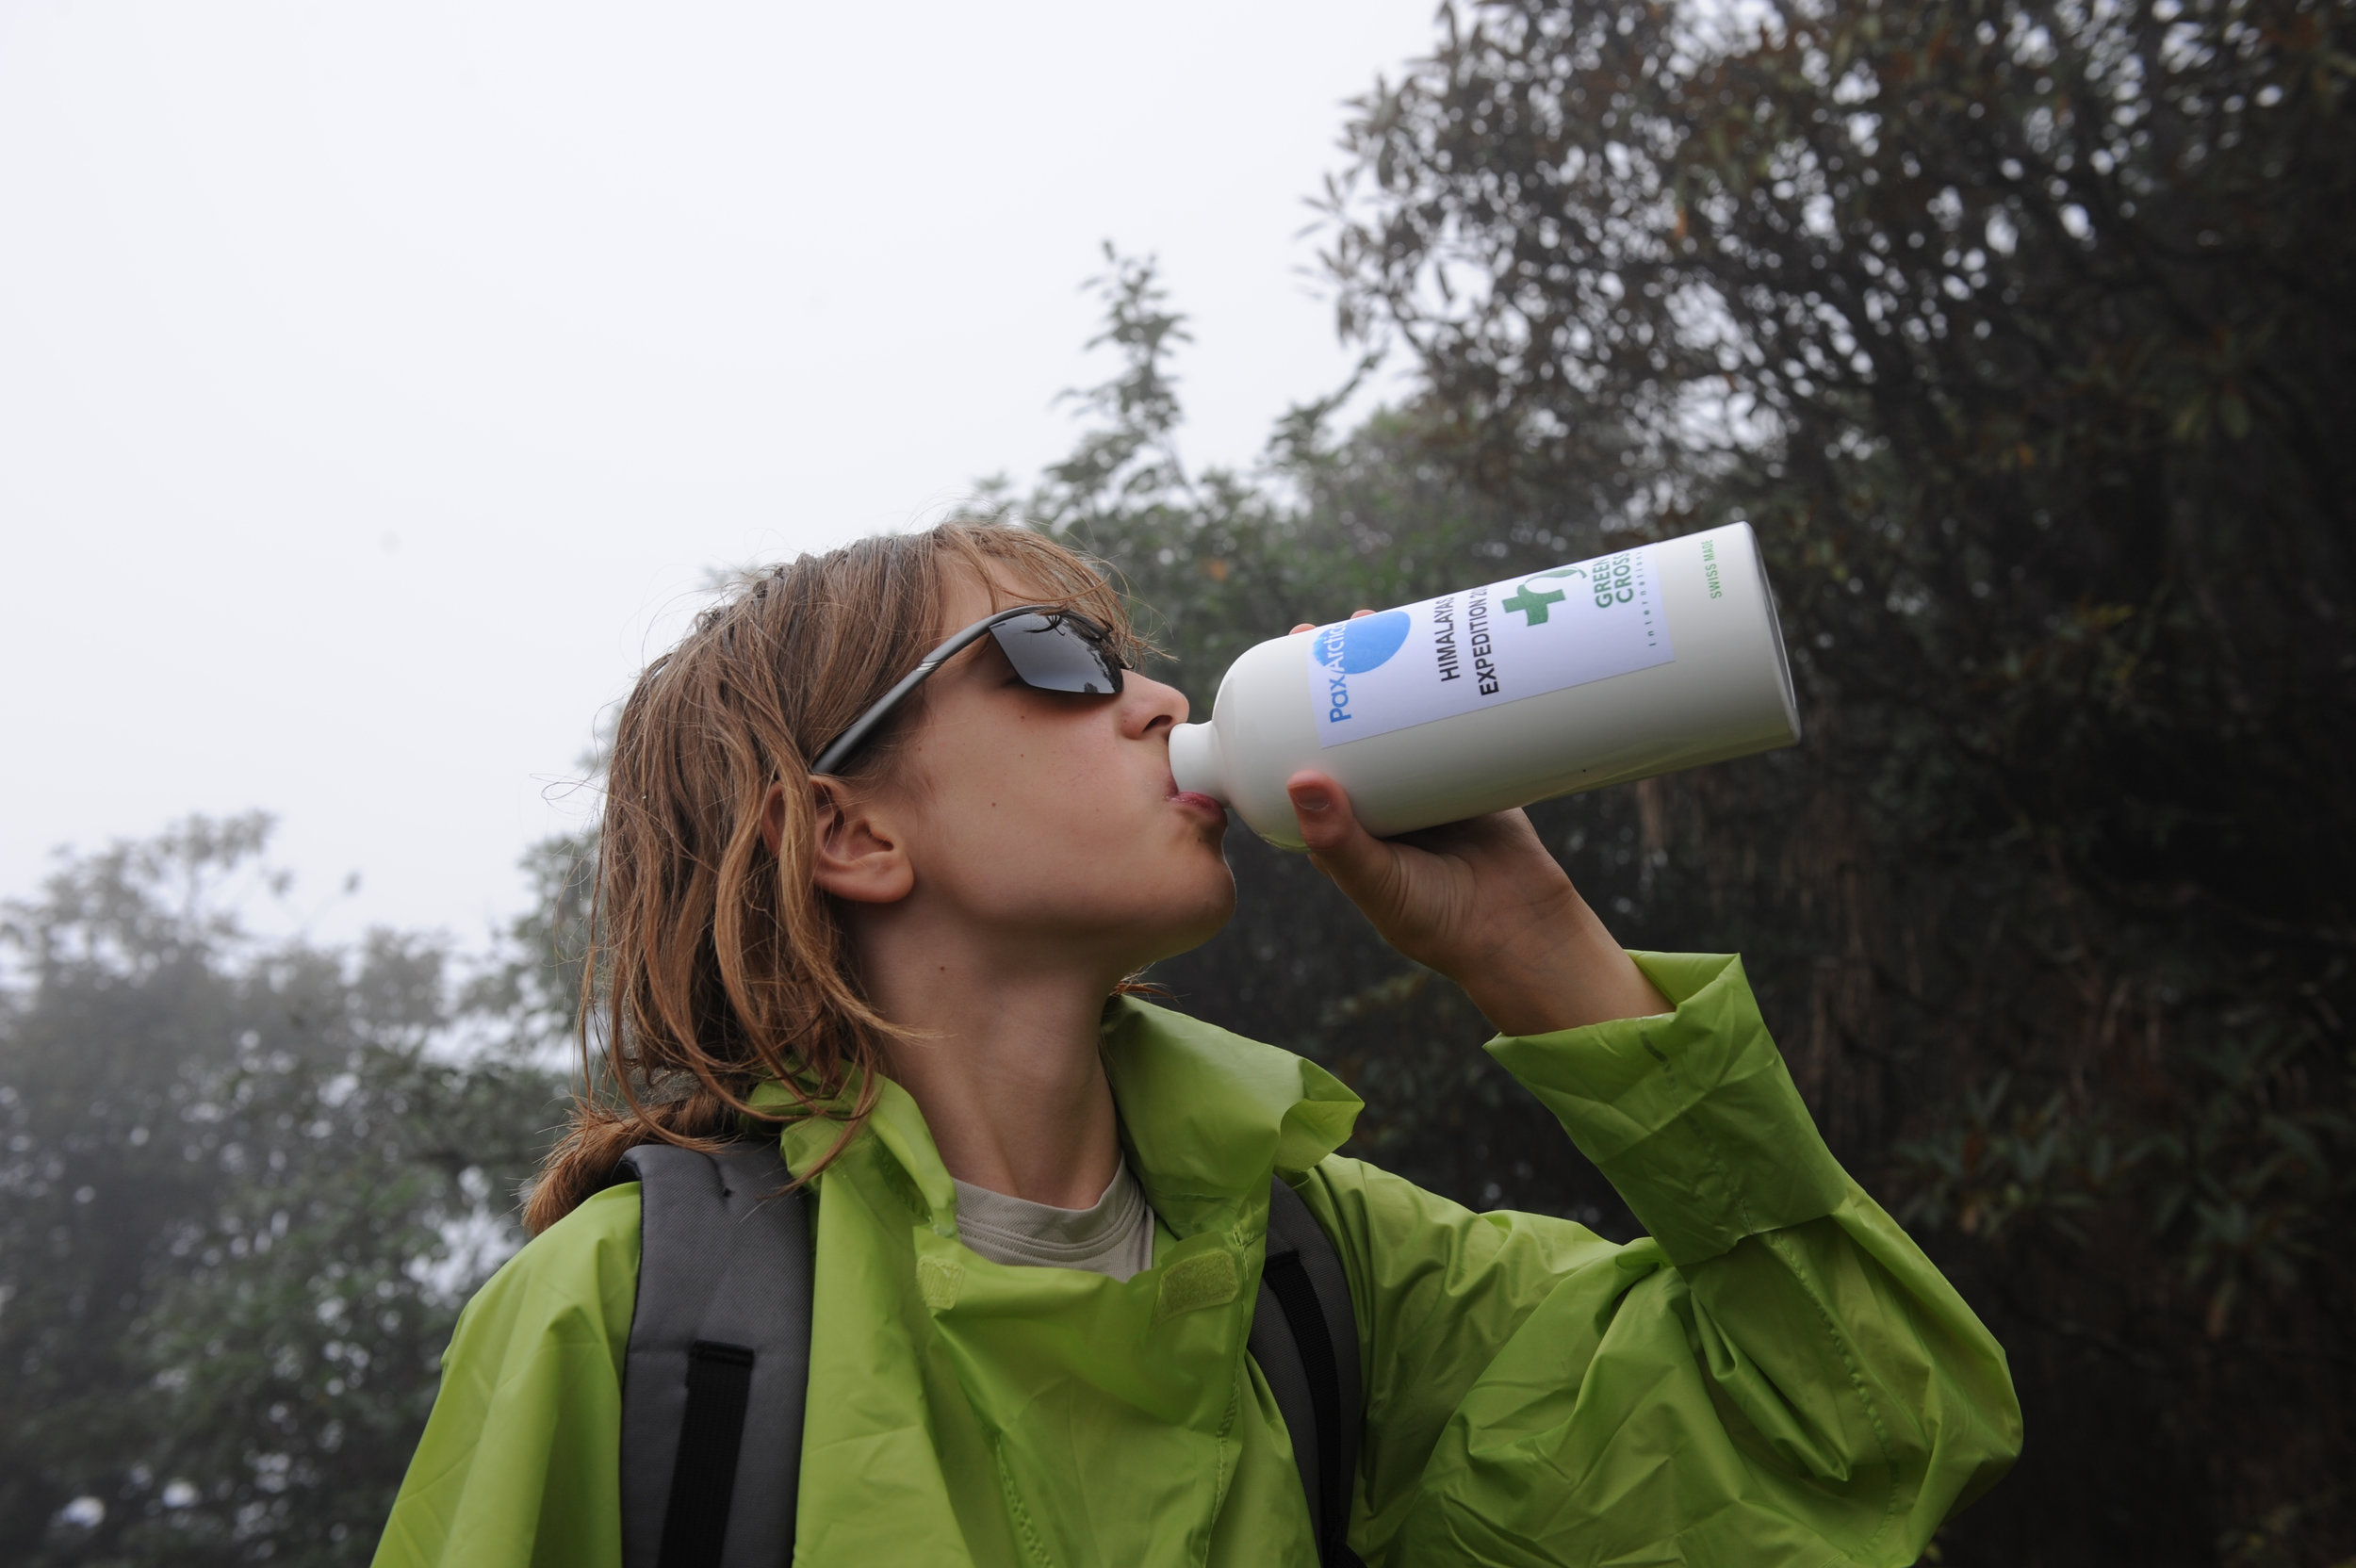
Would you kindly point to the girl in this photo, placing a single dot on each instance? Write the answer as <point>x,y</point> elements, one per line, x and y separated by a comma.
<point>885,912</point>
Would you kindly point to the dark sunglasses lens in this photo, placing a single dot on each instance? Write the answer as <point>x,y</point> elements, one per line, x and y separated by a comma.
<point>1052,654</point>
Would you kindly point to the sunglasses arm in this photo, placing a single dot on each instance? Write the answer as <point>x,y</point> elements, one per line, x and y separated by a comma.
<point>845,745</point>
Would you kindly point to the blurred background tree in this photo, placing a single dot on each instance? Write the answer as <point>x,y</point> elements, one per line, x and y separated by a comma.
<point>246,1186</point>
<point>2019,331</point>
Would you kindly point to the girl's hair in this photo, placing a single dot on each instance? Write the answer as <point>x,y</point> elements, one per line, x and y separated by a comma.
<point>714,966</point>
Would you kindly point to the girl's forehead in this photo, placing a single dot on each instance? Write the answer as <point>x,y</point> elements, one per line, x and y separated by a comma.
<point>969,597</point>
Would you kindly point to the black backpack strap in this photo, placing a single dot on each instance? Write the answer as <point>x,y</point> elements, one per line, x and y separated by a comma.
<point>718,1361</point>
<point>1305,1339</point>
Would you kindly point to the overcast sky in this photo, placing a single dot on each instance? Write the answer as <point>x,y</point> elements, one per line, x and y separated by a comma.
<point>378,381</point>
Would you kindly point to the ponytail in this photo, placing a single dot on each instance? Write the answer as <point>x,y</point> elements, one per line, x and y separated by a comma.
<point>583,1161</point>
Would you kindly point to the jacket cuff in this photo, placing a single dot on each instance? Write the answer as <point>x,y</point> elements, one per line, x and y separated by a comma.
<point>1690,1114</point>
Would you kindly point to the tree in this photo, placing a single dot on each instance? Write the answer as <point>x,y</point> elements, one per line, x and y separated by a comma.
<point>247,1185</point>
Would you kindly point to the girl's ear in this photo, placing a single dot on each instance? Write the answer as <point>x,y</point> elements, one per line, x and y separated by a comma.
<point>855,852</point>
<point>773,818</point>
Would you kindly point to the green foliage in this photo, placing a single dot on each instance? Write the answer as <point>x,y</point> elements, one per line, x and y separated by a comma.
<point>2254,1175</point>
<point>1999,1162</point>
<point>1128,457</point>
<point>532,995</point>
<point>247,1185</point>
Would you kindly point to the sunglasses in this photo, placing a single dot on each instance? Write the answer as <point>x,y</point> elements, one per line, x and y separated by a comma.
<point>1051,650</point>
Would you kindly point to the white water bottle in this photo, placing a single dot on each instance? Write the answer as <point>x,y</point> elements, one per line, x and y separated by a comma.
<point>1658,658</point>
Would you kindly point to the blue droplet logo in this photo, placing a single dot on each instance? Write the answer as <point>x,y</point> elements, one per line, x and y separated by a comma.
<point>1365,644</point>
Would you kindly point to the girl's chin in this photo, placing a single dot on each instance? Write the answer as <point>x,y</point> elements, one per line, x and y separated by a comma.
<point>1209,918</point>
<point>1194,912</point>
<point>1136,907</point>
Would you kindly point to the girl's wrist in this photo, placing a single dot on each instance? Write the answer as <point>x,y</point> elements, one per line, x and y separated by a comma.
<point>1564,977</point>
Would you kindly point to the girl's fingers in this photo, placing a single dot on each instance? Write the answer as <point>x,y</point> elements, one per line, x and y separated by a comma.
<point>1355,858</point>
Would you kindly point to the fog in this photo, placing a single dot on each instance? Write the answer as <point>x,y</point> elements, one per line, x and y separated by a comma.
<point>379,382</point>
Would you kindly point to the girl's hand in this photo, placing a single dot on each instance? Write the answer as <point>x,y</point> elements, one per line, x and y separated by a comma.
<point>1482,902</point>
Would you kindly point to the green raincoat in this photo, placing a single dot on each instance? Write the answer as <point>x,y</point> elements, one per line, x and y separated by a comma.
<point>1775,1375</point>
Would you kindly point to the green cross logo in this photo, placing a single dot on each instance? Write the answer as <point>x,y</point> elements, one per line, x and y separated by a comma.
<point>1532,606</point>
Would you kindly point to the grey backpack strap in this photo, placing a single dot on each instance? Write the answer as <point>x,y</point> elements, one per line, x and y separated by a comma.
<point>718,1361</point>
<point>1305,1339</point>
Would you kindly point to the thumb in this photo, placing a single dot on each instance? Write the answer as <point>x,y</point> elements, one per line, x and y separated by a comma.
<point>1343,849</point>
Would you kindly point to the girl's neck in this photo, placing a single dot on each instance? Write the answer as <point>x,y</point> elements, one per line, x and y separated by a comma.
<point>1005,1065</point>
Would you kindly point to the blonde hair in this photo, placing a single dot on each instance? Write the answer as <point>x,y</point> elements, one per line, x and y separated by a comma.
<point>717,966</point>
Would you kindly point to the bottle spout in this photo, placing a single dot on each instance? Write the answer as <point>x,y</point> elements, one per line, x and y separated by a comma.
<point>1198,762</point>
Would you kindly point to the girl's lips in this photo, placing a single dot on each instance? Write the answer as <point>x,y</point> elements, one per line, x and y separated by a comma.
<point>1197,801</point>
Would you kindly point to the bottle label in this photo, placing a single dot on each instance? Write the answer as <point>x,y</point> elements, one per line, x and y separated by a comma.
<point>1519,638</point>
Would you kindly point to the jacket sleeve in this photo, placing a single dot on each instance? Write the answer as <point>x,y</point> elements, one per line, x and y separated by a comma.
<point>521,1458</point>
<point>1775,1375</point>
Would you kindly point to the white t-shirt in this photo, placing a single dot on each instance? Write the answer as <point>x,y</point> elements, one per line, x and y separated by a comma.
<point>1115,1236</point>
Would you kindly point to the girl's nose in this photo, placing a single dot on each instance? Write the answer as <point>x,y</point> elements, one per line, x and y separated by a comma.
<point>1148,705</point>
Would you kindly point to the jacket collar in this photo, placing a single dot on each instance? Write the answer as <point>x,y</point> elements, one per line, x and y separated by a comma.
<point>1207,1118</point>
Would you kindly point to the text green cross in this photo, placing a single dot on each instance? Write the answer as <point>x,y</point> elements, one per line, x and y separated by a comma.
<point>1532,606</point>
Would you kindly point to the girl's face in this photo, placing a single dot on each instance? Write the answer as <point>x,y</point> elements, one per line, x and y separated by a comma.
<point>1048,822</point>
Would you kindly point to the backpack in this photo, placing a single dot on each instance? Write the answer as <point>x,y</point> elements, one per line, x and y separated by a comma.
<point>718,1361</point>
